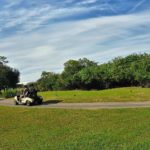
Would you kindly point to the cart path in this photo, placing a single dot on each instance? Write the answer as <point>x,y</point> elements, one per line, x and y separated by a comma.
<point>98,105</point>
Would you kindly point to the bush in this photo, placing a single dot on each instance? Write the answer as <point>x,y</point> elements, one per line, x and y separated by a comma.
<point>9,93</point>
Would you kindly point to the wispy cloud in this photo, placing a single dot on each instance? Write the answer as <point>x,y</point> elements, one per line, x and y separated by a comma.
<point>27,19</point>
<point>98,39</point>
<point>126,6</point>
<point>49,34</point>
<point>137,5</point>
<point>86,2</point>
<point>13,3</point>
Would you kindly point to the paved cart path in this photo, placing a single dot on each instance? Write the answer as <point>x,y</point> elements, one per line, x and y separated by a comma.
<point>98,105</point>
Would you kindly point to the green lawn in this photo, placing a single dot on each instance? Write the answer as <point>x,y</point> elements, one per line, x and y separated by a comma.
<point>51,129</point>
<point>111,95</point>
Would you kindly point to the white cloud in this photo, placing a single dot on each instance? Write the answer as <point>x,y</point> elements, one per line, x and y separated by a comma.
<point>85,2</point>
<point>124,6</point>
<point>28,19</point>
<point>137,5</point>
<point>11,3</point>
<point>98,39</point>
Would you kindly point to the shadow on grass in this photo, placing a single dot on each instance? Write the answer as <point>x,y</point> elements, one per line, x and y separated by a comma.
<point>52,102</point>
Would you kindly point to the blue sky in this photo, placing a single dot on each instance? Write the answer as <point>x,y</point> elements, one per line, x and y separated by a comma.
<point>41,35</point>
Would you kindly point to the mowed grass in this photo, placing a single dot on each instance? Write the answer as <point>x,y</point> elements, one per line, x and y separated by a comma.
<point>110,95</point>
<point>53,129</point>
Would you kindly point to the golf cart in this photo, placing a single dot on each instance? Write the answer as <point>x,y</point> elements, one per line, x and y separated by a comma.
<point>30,100</point>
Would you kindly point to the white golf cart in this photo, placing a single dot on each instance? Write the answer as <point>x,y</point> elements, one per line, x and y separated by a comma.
<point>20,100</point>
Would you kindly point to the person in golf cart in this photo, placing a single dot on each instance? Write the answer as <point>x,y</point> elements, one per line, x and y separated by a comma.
<point>26,91</point>
<point>32,91</point>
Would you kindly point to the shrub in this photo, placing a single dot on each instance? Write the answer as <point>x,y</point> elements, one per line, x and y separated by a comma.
<point>9,93</point>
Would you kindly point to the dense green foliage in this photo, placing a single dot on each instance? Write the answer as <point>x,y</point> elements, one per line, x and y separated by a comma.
<point>51,129</point>
<point>110,95</point>
<point>133,70</point>
<point>9,93</point>
<point>8,76</point>
<point>48,81</point>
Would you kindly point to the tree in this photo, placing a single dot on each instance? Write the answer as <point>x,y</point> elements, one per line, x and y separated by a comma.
<point>133,70</point>
<point>141,70</point>
<point>70,74</point>
<point>3,60</point>
<point>9,77</point>
<point>48,81</point>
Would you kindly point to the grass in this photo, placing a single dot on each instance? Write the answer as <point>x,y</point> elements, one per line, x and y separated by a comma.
<point>110,95</point>
<point>51,129</point>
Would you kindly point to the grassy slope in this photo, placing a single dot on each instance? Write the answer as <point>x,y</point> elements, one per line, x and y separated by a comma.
<point>120,94</point>
<point>46,129</point>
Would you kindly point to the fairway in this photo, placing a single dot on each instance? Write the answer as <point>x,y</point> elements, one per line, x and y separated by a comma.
<point>111,95</point>
<point>51,129</point>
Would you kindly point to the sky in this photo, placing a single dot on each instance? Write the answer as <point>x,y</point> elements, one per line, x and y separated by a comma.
<point>41,35</point>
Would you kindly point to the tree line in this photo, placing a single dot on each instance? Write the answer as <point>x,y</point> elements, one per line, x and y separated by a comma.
<point>133,70</point>
<point>9,77</point>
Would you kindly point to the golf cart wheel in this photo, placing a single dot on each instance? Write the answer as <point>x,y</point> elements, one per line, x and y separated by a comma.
<point>28,103</point>
<point>16,103</point>
<point>40,102</point>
